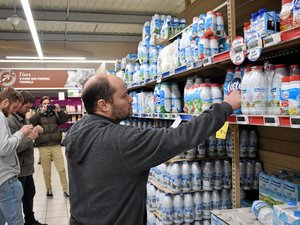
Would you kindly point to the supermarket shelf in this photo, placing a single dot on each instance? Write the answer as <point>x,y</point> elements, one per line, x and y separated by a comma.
<point>261,120</point>
<point>198,159</point>
<point>168,191</point>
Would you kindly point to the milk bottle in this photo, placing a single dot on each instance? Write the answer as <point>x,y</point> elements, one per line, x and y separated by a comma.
<point>206,222</point>
<point>198,206</point>
<point>165,98</point>
<point>158,194</point>
<point>243,143</point>
<point>151,199</point>
<point>167,210</point>
<point>243,173</point>
<point>157,98</point>
<point>176,177</point>
<point>258,169</point>
<point>216,202</point>
<point>166,173</point>
<point>178,209</point>
<point>187,101</point>
<point>188,52</point>
<point>236,84</point>
<point>151,218</point>
<point>225,199</point>
<point>220,24</point>
<point>221,147</point>
<point>227,175</point>
<point>216,94</point>
<point>227,83</point>
<point>218,175</point>
<point>182,55</point>
<point>211,23</point>
<point>196,177</point>
<point>252,148</point>
<point>205,96</point>
<point>176,105</point>
<point>189,208</point>
<point>206,205</point>
<point>258,88</point>
<point>245,91</point>
<point>212,146</point>
<point>249,175</point>
<point>201,25</point>
<point>269,73</point>
<point>208,174</point>
<point>280,71</point>
<point>201,150</point>
<point>186,177</point>
<point>228,143</point>
<point>190,154</point>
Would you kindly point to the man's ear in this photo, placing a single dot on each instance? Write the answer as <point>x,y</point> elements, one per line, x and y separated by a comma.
<point>103,105</point>
<point>4,103</point>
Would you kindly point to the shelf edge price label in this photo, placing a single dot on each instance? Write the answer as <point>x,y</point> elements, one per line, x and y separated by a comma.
<point>155,115</point>
<point>240,119</point>
<point>272,39</point>
<point>139,115</point>
<point>190,66</point>
<point>158,81</point>
<point>177,121</point>
<point>295,122</point>
<point>166,115</point>
<point>271,121</point>
<point>207,61</point>
<point>174,115</point>
<point>171,72</point>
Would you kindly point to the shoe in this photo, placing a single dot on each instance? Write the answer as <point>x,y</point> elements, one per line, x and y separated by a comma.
<point>49,194</point>
<point>66,195</point>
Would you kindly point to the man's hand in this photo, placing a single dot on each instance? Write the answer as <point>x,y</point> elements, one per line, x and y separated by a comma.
<point>33,135</point>
<point>57,108</point>
<point>26,129</point>
<point>39,129</point>
<point>234,99</point>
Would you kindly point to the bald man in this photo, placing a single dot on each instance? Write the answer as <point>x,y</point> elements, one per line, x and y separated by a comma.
<point>109,163</point>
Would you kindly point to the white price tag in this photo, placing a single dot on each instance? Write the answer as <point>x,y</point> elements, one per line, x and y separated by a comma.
<point>207,61</point>
<point>272,39</point>
<point>171,72</point>
<point>295,122</point>
<point>155,115</point>
<point>61,96</point>
<point>173,116</point>
<point>158,80</point>
<point>177,121</point>
<point>190,66</point>
<point>166,116</point>
<point>240,119</point>
<point>271,121</point>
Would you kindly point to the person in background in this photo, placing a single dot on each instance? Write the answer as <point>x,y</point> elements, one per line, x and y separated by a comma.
<point>49,143</point>
<point>26,156</point>
<point>11,190</point>
<point>109,163</point>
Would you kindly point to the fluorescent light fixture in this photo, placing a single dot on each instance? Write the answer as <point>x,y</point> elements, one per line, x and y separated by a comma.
<point>54,58</point>
<point>56,61</point>
<point>32,27</point>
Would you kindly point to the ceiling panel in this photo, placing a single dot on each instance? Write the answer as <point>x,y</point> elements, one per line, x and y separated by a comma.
<point>119,28</point>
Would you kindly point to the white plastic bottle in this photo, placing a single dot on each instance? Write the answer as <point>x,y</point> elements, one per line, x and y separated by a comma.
<point>212,146</point>
<point>205,96</point>
<point>189,208</point>
<point>164,174</point>
<point>176,177</point>
<point>204,47</point>
<point>252,147</point>
<point>178,209</point>
<point>227,175</point>
<point>280,71</point>
<point>245,92</point>
<point>221,147</point>
<point>258,88</point>
<point>187,101</point>
<point>167,210</point>
<point>190,154</point>
<point>216,94</point>
<point>294,95</point>
<point>214,45</point>
<point>206,205</point>
<point>186,177</point>
<point>165,98</point>
<point>206,222</point>
<point>225,199</point>
<point>243,143</point>
<point>269,73</point>
<point>258,169</point>
<point>211,23</point>
<point>229,143</point>
<point>196,177</point>
<point>208,174</point>
<point>176,105</point>
<point>220,24</point>
<point>158,199</point>
<point>182,58</point>
<point>151,219</point>
<point>157,98</point>
<point>198,206</point>
<point>216,202</point>
<point>151,199</point>
<point>218,175</point>
<point>249,175</point>
<point>188,51</point>
<point>263,212</point>
<point>201,150</point>
<point>284,95</point>
<point>243,173</point>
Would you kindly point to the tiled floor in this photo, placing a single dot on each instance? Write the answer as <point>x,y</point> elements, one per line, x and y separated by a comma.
<point>51,211</point>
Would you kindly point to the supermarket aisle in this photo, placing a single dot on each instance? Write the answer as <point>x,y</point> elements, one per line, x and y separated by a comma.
<point>51,211</point>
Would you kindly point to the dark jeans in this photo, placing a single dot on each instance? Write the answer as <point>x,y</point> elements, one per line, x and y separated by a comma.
<point>29,192</point>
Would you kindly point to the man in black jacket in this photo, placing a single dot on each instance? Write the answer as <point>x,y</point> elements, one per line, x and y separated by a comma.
<point>109,163</point>
<point>26,157</point>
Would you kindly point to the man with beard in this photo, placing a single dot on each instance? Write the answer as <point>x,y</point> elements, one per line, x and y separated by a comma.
<point>11,190</point>
<point>109,163</point>
<point>25,155</point>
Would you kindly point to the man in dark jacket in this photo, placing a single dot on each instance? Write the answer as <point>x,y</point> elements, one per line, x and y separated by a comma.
<point>49,143</point>
<point>109,163</point>
<point>26,157</point>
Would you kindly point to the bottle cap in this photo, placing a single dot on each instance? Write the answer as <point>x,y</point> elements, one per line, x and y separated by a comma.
<point>292,203</point>
<point>297,213</point>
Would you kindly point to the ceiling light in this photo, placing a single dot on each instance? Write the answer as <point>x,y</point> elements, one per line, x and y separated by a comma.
<point>14,19</point>
<point>32,27</point>
<point>54,58</point>
<point>57,61</point>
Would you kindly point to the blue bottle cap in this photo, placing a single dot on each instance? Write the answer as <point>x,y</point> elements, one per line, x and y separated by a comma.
<point>292,203</point>
<point>261,11</point>
<point>297,213</point>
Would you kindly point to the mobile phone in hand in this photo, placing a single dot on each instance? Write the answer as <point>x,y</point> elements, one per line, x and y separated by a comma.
<point>50,107</point>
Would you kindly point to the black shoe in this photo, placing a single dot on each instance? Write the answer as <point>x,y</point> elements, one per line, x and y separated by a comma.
<point>66,195</point>
<point>35,223</point>
<point>49,194</point>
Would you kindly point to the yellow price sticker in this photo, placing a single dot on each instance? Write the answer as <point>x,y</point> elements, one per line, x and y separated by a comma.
<point>221,134</point>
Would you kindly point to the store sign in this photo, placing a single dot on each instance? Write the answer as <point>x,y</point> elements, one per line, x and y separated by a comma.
<point>22,78</point>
